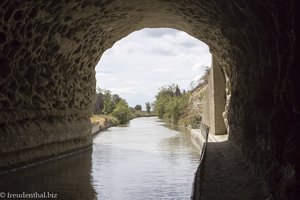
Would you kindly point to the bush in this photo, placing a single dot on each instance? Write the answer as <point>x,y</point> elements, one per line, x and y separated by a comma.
<point>138,107</point>
<point>171,103</point>
<point>122,112</point>
<point>108,103</point>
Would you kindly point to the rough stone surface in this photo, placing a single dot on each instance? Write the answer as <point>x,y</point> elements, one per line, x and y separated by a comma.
<point>228,176</point>
<point>47,78</point>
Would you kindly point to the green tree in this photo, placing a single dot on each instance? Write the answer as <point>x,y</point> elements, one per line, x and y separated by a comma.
<point>116,99</point>
<point>177,91</point>
<point>122,111</point>
<point>175,107</point>
<point>138,107</point>
<point>148,107</point>
<point>107,102</point>
<point>170,103</point>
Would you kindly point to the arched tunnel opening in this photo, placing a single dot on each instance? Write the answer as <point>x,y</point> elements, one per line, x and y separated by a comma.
<point>49,50</point>
<point>139,65</point>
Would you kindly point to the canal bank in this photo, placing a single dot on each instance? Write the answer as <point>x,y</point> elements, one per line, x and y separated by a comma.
<point>103,122</point>
<point>102,125</point>
<point>198,139</point>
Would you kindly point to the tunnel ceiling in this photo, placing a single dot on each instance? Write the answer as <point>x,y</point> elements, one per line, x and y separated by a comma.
<point>49,50</point>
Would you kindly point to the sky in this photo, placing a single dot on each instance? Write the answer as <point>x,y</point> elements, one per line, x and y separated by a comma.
<point>139,64</point>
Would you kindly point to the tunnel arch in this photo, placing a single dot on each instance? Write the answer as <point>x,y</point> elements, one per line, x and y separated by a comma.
<point>49,50</point>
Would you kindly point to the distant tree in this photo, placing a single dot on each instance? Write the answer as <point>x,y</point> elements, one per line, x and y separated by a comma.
<point>166,91</point>
<point>108,103</point>
<point>203,80</point>
<point>116,99</point>
<point>138,107</point>
<point>170,103</point>
<point>122,111</point>
<point>205,77</point>
<point>177,91</point>
<point>162,97</point>
<point>99,104</point>
<point>148,107</point>
<point>98,90</point>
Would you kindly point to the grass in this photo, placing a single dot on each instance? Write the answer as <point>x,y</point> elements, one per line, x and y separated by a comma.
<point>102,119</point>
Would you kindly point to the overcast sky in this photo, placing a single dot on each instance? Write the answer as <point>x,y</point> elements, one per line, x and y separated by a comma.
<point>137,65</point>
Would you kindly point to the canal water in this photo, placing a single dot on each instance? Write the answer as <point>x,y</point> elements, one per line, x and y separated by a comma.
<point>146,159</point>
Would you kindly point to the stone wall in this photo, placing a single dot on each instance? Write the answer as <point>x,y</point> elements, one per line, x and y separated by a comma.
<point>47,80</point>
<point>214,100</point>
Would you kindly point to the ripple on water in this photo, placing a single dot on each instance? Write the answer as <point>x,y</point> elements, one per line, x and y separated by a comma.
<point>144,160</point>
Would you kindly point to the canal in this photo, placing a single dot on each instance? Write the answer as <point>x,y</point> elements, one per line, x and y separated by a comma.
<point>146,159</point>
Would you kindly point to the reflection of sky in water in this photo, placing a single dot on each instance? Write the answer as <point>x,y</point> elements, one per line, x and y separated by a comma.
<point>144,160</point>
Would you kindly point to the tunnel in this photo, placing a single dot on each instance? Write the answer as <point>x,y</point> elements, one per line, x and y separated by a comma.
<point>49,50</point>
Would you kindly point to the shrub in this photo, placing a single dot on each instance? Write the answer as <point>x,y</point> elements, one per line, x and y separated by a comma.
<point>122,111</point>
<point>138,107</point>
<point>171,103</point>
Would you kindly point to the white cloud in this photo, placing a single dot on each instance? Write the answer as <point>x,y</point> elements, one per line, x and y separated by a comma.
<point>162,69</point>
<point>196,66</point>
<point>132,82</point>
<point>101,74</point>
<point>196,78</point>
<point>200,66</point>
<point>136,66</point>
<point>113,79</point>
<point>123,91</point>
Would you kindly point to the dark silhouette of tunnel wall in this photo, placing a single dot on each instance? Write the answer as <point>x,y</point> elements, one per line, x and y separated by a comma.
<point>47,80</point>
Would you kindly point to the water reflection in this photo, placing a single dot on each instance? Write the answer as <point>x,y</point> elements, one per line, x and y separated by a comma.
<point>145,160</point>
<point>142,160</point>
<point>69,177</point>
